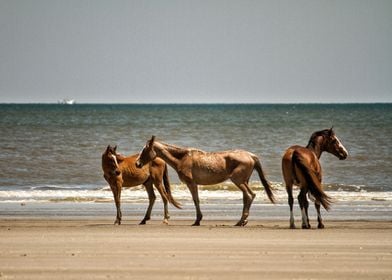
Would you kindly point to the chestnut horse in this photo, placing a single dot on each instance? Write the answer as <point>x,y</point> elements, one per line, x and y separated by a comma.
<point>198,167</point>
<point>121,172</point>
<point>301,166</point>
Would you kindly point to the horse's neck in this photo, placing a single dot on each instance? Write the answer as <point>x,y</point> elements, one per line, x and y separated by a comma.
<point>170,154</point>
<point>316,146</point>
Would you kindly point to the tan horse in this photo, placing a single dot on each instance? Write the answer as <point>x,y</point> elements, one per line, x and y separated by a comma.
<point>301,166</point>
<point>121,172</point>
<point>196,167</point>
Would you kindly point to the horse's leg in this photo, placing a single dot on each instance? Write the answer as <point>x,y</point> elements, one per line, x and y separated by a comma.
<point>247,202</point>
<point>162,192</point>
<point>304,204</point>
<point>320,221</point>
<point>289,189</point>
<point>195,195</point>
<point>151,200</point>
<point>117,196</point>
<point>250,191</point>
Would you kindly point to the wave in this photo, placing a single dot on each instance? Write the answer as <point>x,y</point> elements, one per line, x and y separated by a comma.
<point>223,192</point>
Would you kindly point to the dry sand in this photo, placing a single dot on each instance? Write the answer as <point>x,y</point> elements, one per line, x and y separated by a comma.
<point>95,249</point>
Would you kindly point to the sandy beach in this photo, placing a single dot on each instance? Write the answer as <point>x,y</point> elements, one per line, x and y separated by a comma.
<point>95,249</point>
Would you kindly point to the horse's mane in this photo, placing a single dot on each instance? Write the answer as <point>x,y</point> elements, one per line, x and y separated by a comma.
<point>324,133</point>
<point>180,148</point>
<point>178,151</point>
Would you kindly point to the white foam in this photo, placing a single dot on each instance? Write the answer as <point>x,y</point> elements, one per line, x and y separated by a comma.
<point>179,192</point>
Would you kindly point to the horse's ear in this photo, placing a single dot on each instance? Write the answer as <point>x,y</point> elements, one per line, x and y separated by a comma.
<point>331,132</point>
<point>107,149</point>
<point>114,149</point>
<point>152,139</point>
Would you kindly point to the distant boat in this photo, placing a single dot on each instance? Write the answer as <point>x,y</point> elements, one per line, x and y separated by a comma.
<point>67,101</point>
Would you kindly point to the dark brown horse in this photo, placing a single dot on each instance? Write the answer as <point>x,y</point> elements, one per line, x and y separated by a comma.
<point>196,167</point>
<point>301,166</point>
<point>121,172</point>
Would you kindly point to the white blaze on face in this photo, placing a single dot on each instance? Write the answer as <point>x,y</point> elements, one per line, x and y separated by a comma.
<point>341,146</point>
<point>141,151</point>
<point>115,160</point>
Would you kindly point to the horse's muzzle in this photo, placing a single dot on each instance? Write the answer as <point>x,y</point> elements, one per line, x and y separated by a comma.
<point>343,156</point>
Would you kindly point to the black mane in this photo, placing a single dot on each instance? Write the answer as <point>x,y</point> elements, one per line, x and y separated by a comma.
<point>325,133</point>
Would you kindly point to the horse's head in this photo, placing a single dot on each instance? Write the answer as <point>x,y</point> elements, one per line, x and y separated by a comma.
<point>335,147</point>
<point>329,142</point>
<point>147,154</point>
<point>110,162</point>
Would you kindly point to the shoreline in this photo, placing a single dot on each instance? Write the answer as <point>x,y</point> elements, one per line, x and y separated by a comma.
<point>212,210</point>
<point>93,248</point>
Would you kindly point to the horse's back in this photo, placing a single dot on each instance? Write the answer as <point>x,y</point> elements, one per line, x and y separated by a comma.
<point>227,159</point>
<point>133,176</point>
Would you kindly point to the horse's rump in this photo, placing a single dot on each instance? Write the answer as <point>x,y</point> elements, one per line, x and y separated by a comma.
<point>312,181</point>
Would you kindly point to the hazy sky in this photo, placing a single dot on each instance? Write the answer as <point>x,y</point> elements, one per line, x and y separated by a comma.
<point>196,51</point>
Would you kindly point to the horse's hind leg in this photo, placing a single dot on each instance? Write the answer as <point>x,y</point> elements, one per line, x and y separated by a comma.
<point>320,221</point>
<point>195,195</point>
<point>151,200</point>
<point>289,189</point>
<point>162,192</point>
<point>247,201</point>
<point>250,191</point>
<point>304,204</point>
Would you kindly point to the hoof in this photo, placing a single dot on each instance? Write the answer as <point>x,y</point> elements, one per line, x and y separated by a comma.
<point>117,222</point>
<point>144,221</point>
<point>306,227</point>
<point>241,223</point>
<point>165,221</point>
<point>292,226</point>
<point>196,224</point>
<point>320,226</point>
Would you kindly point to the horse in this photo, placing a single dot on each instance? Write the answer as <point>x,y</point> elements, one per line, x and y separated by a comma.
<point>196,167</point>
<point>121,172</point>
<point>301,166</point>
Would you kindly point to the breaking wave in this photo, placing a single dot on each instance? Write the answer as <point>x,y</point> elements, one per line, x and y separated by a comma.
<point>224,191</point>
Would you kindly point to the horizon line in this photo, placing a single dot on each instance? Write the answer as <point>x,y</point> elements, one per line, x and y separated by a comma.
<point>196,103</point>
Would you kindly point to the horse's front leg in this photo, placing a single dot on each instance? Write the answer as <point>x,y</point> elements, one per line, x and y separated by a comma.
<point>320,221</point>
<point>195,195</point>
<point>117,197</point>
<point>151,200</point>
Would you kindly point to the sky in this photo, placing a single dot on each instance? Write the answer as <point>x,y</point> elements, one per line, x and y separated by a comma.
<point>181,51</point>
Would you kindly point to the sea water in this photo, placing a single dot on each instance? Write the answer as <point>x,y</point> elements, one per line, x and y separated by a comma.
<point>50,156</point>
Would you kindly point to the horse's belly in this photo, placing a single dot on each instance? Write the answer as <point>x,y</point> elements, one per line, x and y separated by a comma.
<point>204,177</point>
<point>133,181</point>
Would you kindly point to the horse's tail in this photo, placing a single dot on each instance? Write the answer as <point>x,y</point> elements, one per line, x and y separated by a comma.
<point>266,184</point>
<point>312,181</point>
<point>166,183</point>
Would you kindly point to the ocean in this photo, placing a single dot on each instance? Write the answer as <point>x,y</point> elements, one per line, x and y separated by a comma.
<point>50,156</point>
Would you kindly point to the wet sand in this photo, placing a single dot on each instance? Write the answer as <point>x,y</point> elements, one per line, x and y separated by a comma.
<point>47,248</point>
